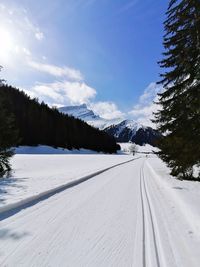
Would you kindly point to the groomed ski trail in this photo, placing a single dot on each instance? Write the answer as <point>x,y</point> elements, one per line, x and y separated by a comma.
<point>118,218</point>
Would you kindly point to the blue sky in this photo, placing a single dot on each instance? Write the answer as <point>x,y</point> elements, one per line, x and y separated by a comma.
<point>103,53</point>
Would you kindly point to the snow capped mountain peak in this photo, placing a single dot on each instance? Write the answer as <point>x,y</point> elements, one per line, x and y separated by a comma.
<point>81,112</point>
<point>130,124</point>
<point>126,125</point>
<point>84,113</point>
<point>123,130</point>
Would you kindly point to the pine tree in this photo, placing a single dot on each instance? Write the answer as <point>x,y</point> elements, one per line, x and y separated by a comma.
<point>8,135</point>
<point>179,117</point>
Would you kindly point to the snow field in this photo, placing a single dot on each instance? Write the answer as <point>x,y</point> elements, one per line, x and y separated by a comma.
<point>134,214</point>
<point>34,174</point>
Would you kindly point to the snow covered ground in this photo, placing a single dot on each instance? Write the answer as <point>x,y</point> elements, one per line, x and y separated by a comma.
<point>126,148</point>
<point>134,214</point>
<point>185,194</point>
<point>41,170</point>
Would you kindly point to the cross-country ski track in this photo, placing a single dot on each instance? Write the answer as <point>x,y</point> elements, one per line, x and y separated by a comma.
<point>120,217</point>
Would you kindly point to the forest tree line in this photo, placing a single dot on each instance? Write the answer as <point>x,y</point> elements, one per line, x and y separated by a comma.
<point>37,124</point>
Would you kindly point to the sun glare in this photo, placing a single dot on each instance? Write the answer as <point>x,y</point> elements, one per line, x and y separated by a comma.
<point>6,43</point>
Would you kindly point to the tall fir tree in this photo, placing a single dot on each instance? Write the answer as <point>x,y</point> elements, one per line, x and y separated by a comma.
<point>8,135</point>
<point>179,116</point>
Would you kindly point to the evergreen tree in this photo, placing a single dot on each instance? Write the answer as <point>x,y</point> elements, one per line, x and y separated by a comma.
<point>8,135</point>
<point>38,124</point>
<point>179,117</point>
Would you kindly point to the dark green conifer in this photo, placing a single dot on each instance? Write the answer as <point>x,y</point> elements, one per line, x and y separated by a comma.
<point>8,135</point>
<point>179,116</point>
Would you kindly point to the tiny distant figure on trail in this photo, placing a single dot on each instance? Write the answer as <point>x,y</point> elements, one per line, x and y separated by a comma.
<point>133,149</point>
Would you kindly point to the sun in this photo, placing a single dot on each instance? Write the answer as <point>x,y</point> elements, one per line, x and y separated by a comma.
<point>6,43</point>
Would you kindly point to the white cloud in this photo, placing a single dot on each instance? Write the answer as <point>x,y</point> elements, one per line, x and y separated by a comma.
<point>29,26</point>
<point>48,90</point>
<point>39,35</point>
<point>17,18</point>
<point>63,93</point>
<point>66,72</point>
<point>150,93</point>
<point>107,110</point>
<point>79,93</point>
<point>18,33</point>
<point>143,111</point>
<point>26,51</point>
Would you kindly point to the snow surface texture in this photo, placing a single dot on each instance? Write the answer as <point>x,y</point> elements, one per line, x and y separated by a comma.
<point>132,215</point>
<point>34,174</point>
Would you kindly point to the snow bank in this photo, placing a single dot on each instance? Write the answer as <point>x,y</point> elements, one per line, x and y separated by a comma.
<point>184,194</point>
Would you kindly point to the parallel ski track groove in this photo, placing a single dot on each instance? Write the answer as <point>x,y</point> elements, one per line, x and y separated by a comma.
<point>143,191</point>
<point>143,224</point>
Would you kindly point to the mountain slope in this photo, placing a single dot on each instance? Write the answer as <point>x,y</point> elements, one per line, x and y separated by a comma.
<point>122,130</point>
<point>83,113</point>
<point>129,130</point>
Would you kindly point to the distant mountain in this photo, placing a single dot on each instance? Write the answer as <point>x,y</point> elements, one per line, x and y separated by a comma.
<point>80,112</point>
<point>83,113</point>
<point>130,131</point>
<point>122,130</point>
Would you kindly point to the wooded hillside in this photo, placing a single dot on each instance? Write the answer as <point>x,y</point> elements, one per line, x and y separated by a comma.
<point>37,123</point>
